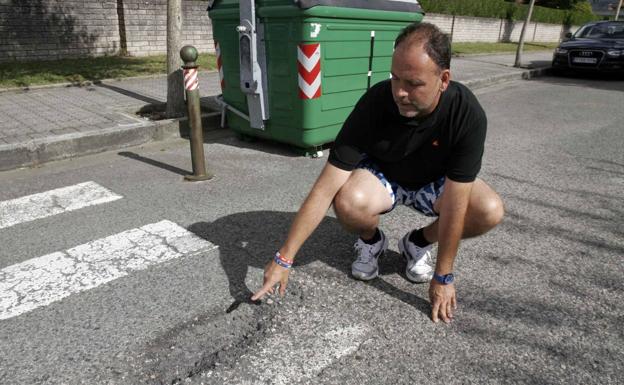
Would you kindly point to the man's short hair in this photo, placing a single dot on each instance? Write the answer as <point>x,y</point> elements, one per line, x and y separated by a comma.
<point>436,43</point>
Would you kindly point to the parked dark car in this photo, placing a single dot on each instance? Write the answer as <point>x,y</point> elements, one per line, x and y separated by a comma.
<point>596,46</point>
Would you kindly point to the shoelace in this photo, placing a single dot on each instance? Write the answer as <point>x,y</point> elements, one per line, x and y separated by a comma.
<point>359,247</point>
<point>426,259</point>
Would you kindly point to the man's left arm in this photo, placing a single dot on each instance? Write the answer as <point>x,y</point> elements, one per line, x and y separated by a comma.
<point>453,209</point>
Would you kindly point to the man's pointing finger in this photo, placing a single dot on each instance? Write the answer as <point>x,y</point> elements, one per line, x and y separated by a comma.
<point>262,292</point>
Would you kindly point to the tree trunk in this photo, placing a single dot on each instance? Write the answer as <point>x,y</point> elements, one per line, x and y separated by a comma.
<point>121,20</point>
<point>617,13</point>
<point>175,82</point>
<point>518,62</point>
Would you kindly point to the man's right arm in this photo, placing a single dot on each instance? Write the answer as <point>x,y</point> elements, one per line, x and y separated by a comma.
<point>309,216</point>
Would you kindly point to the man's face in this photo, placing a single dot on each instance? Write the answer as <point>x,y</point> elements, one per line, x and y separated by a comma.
<point>417,82</point>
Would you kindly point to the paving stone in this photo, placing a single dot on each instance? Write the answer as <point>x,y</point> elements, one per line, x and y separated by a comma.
<point>13,139</point>
<point>13,131</point>
<point>64,131</point>
<point>62,110</point>
<point>39,135</point>
<point>104,126</point>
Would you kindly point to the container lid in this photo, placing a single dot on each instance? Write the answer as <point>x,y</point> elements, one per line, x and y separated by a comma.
<point>382,5</point>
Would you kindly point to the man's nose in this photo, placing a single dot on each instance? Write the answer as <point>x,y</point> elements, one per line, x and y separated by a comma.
<point>400,92</point>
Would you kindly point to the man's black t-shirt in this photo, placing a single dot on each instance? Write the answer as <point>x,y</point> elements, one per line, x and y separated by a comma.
<point>448,142</point>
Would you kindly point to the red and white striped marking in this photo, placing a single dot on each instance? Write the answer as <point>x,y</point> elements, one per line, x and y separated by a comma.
<point>219,64</point>
<point>190,79</point>
<point>309,68</point>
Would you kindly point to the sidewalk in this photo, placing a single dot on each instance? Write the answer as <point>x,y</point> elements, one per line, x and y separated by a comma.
<point>52,123</point>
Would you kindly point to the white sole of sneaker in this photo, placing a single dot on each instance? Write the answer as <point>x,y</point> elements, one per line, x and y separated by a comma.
<point>362,277</point>
<point>419,278</point>
<point>414,278</point>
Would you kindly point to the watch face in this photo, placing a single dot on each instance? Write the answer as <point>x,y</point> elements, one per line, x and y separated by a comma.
<point>445,279</point>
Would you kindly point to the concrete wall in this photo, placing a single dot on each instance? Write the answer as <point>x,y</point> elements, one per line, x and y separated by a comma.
<point>42,29</point>
<point>146,26</point>
<point>53,29</point>
<point>481,29</point>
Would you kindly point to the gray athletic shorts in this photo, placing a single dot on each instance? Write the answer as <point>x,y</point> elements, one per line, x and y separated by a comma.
<point>421,200</point>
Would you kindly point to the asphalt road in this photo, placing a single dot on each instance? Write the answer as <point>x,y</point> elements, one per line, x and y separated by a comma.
<point>540,297</point>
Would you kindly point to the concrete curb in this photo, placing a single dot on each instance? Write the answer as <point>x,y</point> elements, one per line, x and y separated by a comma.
<point>468,55</point>
<point>495,79</point>
<point>38,151</point>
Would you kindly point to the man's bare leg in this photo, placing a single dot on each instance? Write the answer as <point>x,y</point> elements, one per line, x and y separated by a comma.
<point>359,203</point>
<point>485,211</point>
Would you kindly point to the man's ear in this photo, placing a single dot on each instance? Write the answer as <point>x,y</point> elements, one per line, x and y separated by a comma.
<point>445,76</point>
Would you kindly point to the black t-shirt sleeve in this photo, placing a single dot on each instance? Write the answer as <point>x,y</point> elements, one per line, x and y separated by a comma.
<point>466,154</point>
<point>350,143</point>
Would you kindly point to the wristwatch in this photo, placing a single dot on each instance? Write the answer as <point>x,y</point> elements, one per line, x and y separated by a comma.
<point>444,279</point>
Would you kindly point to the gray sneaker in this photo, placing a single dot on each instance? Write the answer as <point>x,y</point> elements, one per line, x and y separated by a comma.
<point>418,268</point>
<point>365,266</point>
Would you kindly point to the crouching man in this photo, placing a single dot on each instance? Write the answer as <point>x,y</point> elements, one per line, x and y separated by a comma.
<point>415,140</point>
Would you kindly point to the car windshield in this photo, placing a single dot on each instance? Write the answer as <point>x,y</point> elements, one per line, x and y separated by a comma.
<point>601,31</point>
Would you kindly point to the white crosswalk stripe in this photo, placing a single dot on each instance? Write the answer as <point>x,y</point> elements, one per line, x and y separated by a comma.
<point>41,281</point>
<point>303,353</point>
<point>53,202</point>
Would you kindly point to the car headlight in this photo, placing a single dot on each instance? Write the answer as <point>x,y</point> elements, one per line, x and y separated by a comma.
<point>561,51</point>
<point>614,52</point>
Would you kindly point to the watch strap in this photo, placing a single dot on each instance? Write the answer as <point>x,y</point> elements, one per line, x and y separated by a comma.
<point>444,279</point>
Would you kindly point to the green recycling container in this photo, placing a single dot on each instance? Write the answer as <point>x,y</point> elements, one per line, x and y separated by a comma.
<point>320,57</point>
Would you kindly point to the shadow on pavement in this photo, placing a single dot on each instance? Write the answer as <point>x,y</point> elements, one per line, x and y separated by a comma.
<point>249,239</point>
<point>539,63</point>
<point>597,245</point>
<point>128,93</point>
<point>155,163</point>
<point>263,145</point>
<point>257,144</point>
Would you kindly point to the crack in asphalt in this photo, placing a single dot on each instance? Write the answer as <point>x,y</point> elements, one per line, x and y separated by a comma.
<point>203,344</point>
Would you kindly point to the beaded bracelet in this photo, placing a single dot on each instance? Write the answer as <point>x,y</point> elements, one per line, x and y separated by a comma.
<point>283,262</point>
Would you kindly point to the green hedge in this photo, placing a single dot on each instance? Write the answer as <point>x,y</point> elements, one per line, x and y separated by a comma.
<point>501,9</point>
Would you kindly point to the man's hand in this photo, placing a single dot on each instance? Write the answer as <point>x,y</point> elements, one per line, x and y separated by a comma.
<point>273,274</point>
<point>443,301</point>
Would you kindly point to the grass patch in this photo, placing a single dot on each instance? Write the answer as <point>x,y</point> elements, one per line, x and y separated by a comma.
<point>77,71</point>
<point>475,48</point>
<point>24,74</point>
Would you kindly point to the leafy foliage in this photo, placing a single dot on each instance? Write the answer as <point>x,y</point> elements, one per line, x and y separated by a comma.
<point>578,12</point>
<point>559,4</point>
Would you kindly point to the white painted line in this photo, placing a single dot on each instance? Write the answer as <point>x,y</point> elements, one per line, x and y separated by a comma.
<point>309,357</point>
<point>40,281</point>
<point>303,354</point>
<point>46,204</point>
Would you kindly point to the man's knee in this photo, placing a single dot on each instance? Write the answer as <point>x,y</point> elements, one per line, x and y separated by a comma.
<point>349,202</point>
<point>491,212</point>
